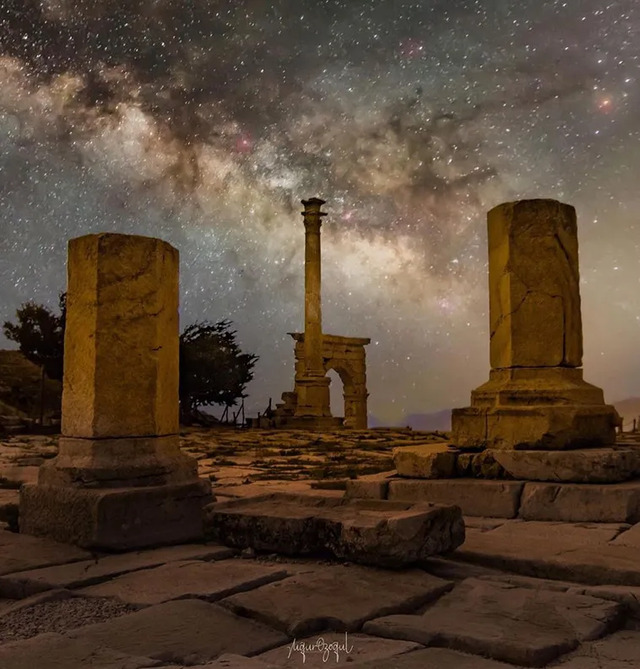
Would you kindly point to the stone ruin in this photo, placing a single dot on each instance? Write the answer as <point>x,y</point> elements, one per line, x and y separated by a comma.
<point>538,442</point>
<point>120,480</point>
<point>308,405</point>
<point>536,397</point>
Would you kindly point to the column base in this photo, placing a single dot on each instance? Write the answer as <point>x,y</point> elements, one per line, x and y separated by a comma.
<point>118,463</point>
<point>535,408</point>
<point>314,399</point>
<point>116,519</point>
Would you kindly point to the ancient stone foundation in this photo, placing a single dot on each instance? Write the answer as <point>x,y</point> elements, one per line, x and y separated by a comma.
<point>120,480</point>
<point>536,397</point>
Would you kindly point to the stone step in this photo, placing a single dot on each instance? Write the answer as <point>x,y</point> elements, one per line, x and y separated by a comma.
<point>588,553</point>
<point>586,465</point>
<point>529,500</point>
<point>377,532</point>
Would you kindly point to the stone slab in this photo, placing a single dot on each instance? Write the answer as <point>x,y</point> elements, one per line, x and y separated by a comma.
<point>356,488</point>
<point>426,461</point>
<point>340,598</point>
<point>378,532</point>
<point>576,502</point>
<point>54,651</point>
<point>499,499</point>
<point>572,552</point>
<point>370,486</point>
<point>434,658</point>
<point>335,648</point>
<point>187,631</point>
<point>630,537</point>
<point>586,465</point>
<point>180,580</point>
<point>87,572</point>
<point>617,651</point>
<point>231,661</point>
<point>20,551</point>
<point>115,518</point>
<point>506,623</point>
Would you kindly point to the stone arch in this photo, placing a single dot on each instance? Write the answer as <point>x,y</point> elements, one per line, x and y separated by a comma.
<point>347,357</point>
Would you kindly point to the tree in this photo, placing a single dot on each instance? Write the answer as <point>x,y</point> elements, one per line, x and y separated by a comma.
<point>39,334</point>
<point>213,369</point>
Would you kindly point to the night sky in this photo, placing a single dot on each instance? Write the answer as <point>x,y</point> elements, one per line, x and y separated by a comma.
<point>205,123</point>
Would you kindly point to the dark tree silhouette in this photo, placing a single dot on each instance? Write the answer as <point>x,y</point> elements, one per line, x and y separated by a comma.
<point>39,334</point>
<point>213,369</point>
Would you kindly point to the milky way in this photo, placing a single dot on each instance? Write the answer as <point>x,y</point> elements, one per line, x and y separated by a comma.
<point>206,122</point>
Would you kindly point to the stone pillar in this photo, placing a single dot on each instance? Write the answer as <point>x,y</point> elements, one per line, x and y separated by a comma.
<point>120,480</point>
<point>536,397</point>
<point>313,386</point>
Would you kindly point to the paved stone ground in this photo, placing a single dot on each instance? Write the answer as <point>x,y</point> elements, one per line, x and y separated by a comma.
<point>515,594</point>
<point>208,606</point>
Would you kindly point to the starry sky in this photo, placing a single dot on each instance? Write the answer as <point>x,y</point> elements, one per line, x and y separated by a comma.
<point>205,122</point>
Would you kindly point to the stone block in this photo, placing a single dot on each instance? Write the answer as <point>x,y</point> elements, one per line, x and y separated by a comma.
<point>581,552</point>
<point>575,502</point>
<point>434,658</point>
<point>55,651</point>
<point>534,279</point>
<point>482,465</point>
<point>534,427</point>
<point>341,598</point>
<point>589,465</point>
<point>523,626</point>
<point>428,461</point>
<point>88,572</point>
<point>115,518</point>
<point>367,489</point>
<point>19,552</point>
<point>377,532</point>
<point>186,579</point>
<point>117,463</point>
<point>121,337</point>
<point>185,632</point>
<point>617,651</point>
<point>498,499</point>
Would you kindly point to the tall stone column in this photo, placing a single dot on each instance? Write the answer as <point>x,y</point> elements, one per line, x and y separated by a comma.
<point>536,397</point>
<point>120,480</point>
<point>312,386</point>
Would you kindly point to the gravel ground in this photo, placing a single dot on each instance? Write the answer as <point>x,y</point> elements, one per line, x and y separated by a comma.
<point>59,616</point>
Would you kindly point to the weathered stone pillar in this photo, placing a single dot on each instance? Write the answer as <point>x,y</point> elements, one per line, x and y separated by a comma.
<point>536,397</point>
<point>120,480</point>
<point>313,386</point>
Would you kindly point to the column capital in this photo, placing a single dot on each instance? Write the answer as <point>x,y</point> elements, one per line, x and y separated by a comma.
<point>312,214</point>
